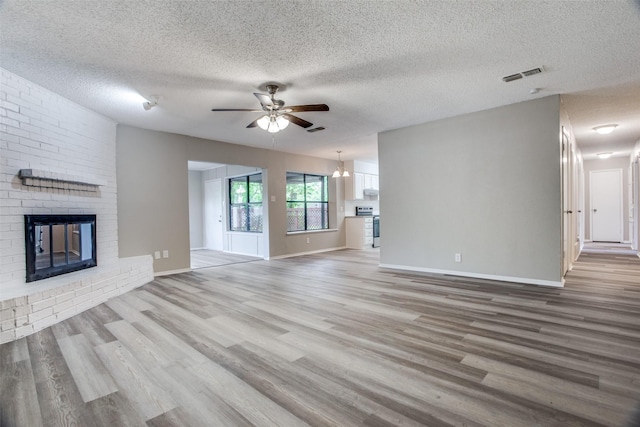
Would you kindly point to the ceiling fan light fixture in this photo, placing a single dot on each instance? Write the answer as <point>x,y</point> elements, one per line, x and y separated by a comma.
<point>263,122</point>
<point>605,129</point>
<point>282,122</point>
<point>273,126</point>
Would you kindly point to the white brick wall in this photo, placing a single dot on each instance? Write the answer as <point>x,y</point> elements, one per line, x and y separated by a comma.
<point>42,130</point>
<point>63,298</point>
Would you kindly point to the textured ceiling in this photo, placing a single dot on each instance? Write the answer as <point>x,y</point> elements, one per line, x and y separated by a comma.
<point>378,65</point>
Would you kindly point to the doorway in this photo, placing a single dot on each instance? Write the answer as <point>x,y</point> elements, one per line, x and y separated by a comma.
<point>605,188</point>
<point>213,242</point>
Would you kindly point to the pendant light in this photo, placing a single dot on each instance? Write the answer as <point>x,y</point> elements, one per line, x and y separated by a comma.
<point>340,170</point>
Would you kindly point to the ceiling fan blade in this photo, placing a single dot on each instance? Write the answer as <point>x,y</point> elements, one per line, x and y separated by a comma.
<point>297,120</point>
<point>311,107</point>
<point>254,123</point>
<point>236,109</point>
<point>265,100</point>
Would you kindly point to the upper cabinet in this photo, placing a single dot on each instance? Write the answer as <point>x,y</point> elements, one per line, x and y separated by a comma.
<point>360,186</point>
<point>363,184</point>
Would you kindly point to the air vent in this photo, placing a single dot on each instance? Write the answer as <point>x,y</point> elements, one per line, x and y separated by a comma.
<point>512,77</point>
<point>532,72</point>
<point>319,128</point>
<point>522,74</point>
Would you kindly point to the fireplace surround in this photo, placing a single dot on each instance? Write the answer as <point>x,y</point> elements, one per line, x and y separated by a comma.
<point>59,244</point>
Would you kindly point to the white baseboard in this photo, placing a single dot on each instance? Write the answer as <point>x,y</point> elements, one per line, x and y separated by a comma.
<point>527,281</point>
<point>170,272</point>
<point>306,253</point>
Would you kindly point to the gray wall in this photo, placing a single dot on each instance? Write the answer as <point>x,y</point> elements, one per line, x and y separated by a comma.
<point>485,185</point>
<point>604,164</point>
<point>153,205</point>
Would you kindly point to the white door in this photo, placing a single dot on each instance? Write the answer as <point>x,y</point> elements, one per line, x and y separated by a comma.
<point>213,209</point>
<point>606,205</point>
<point>566,205</point>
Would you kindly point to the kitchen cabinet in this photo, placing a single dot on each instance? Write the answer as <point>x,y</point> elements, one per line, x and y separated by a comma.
<point>357,183</point>
<point>359,232</point>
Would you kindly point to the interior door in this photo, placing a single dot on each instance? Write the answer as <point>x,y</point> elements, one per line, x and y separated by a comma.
<point>566,204</point>
<point>636,203</point>
<point>606,205</point>
<point>213,211</point>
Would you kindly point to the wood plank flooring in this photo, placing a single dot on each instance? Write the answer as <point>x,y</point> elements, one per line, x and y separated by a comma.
<point>333,340</point>
<point>203,258</point>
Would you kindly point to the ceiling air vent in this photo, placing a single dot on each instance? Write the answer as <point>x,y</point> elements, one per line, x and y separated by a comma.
<point>532,72</point>
<point>512,77</point>
<point>319,128</point>
<point>518,76</point>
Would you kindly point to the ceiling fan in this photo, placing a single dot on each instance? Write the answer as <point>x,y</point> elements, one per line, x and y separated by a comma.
<point>277,116</point>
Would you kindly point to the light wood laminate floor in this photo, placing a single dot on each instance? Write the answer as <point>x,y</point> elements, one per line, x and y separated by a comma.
<point>203,258</point>
<point>331,339</point>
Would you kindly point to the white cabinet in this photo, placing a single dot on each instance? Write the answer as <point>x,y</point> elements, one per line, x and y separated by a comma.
<point>359,232</point>
<point>367,180</point>
<point>357,183</point>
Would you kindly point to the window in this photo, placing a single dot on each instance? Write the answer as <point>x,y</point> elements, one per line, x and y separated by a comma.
<point>245,203</point>
<point>307,202</point>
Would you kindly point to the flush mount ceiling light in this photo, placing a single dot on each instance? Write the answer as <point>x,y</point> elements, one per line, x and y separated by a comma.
<point>153,101</point>
<point>605,129</point>
<point>340,170</point>
<point>604,155</point>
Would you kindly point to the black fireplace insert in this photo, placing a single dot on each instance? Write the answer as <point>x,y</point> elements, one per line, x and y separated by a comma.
<point>59,244</point>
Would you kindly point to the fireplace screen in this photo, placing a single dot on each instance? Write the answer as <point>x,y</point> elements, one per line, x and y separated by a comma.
<point>59,244</point>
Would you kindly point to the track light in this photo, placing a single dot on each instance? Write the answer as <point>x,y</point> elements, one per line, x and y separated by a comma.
<point>153,101</point>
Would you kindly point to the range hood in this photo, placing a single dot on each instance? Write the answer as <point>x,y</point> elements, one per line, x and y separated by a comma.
<point>370,192</point>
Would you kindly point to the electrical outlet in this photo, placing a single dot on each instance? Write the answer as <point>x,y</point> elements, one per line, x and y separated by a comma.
<point>156,254</point>
<point>458,258</point>
<point>308,240</point>
<point>165,253</point>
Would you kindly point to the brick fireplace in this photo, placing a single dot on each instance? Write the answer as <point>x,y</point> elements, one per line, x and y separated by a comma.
<point>56,158</point>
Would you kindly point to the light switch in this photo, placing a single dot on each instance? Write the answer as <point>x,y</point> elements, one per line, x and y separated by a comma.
<point>273,198</point>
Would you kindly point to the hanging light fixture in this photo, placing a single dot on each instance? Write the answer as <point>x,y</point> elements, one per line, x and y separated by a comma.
<point>340,170</point>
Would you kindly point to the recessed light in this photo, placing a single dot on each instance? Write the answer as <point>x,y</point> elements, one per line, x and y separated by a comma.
<point>605,129</point>
<point>604,155</point>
